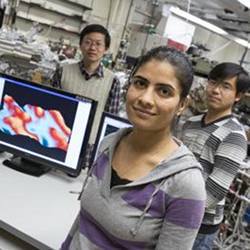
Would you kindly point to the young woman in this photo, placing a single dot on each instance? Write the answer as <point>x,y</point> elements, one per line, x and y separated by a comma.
<point>145,189</point>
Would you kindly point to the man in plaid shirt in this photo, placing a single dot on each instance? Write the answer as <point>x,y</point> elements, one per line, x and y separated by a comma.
<point>89,78</point>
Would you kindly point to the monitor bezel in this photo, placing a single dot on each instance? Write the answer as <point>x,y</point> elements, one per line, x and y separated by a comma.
<point>106,116</point>
<point>18,152</point>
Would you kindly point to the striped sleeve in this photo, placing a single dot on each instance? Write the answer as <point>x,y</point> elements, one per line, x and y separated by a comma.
<point>184,213</point>
<point>228,158</point>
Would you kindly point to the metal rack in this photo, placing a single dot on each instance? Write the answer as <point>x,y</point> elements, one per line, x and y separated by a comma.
<point>235,235</point>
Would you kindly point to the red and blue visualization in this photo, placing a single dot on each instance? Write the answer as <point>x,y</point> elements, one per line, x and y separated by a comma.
<point>45,126</point>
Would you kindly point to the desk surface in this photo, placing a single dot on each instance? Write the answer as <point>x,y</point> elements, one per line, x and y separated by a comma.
<point>39,210</point>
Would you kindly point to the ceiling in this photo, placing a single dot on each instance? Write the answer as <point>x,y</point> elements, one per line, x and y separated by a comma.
<point>230,15</point>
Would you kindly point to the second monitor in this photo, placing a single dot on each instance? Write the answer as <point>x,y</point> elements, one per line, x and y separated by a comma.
<point>43,124</point>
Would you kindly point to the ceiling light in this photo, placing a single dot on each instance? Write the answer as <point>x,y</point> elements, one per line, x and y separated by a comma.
<point>210,26</point>
<point>197,20</point>
<point>245,3</point>
<point>240,41</point>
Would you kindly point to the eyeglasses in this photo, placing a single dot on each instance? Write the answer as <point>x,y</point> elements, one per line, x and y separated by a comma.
<point>96,44</point>
<point>222,85</point>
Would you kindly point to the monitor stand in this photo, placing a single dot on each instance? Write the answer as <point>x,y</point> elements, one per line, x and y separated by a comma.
<point>26,166</point>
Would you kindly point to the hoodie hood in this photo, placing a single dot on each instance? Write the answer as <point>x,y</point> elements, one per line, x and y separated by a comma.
<point>180,160</point>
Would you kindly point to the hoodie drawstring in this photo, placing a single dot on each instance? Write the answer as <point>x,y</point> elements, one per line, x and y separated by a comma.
<point>139,222</point>
<point>86,180</point>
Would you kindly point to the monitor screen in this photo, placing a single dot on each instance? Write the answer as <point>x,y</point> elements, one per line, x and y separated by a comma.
<point>43,124</point>
<point>109,124</point>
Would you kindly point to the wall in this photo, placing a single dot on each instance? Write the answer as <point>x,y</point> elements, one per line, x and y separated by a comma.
<point>112,14</point>
<point>144,15</point>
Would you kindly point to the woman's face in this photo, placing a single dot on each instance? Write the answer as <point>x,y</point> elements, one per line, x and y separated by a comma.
<point>153,97</point>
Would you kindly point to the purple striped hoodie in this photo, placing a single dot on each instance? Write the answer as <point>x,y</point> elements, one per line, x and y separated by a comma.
<point>162,210</point>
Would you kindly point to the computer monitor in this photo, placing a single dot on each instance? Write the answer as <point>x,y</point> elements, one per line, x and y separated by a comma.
<point>109,123</point>
<point>43,127</point>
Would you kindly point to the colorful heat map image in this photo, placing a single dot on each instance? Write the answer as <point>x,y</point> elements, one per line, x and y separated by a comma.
<point>47,127</point>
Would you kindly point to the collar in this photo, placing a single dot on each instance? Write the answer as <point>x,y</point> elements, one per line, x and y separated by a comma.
<point>203,124</point>
<point>98,72</point>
